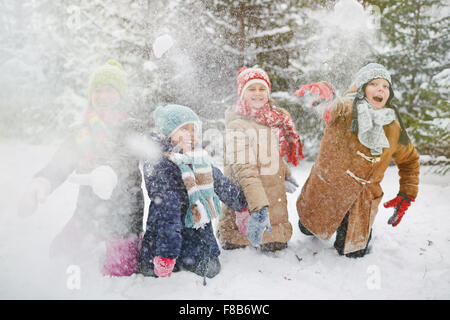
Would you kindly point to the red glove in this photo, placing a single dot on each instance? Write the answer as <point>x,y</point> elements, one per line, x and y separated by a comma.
<point>401,204</point>
<point>326,94</point>
<point>241,220</point>
<point>163,266</point>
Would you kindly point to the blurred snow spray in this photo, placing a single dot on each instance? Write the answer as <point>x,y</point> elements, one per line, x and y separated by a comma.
<point>162,44</point>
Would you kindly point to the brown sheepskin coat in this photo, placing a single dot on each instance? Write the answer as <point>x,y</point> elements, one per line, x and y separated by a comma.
<point>346,178</point>
<point>252,161</point>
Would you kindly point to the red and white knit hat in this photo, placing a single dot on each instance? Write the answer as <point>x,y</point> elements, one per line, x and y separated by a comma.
<point>249,76</point>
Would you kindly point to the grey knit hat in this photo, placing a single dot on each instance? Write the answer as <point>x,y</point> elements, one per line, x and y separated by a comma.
<point>363,76</point>
<point>370,72</point>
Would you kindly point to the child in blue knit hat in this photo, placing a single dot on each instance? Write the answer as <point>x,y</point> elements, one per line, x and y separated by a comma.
<point>185,190</point>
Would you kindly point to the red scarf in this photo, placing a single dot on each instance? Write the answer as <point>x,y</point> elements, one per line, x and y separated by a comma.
<point>288,138</point>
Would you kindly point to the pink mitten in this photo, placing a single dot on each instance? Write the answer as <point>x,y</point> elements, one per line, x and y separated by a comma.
<point>163,266</point>
<point>241,220</point>
<point>325,95</point>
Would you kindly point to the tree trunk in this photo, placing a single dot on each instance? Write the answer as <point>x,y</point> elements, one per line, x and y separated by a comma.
<point>242,36</point>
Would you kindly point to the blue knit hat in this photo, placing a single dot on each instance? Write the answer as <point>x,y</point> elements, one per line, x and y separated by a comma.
<point>171,117</point>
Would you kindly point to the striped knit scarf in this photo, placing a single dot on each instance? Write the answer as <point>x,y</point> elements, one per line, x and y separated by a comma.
<point>196,172</point>
<point>96,134</point>
<point>288,138</point>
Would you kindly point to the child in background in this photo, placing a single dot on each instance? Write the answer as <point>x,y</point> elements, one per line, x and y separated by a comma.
<point>264,135</point>
<point>110,203</point>
<point>361,137</point>
<point>184,189</point>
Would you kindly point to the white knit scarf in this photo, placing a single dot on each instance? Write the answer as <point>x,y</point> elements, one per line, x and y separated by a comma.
<point>370,126</point>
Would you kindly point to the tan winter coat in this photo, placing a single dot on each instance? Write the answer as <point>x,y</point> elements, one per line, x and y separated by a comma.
<point>346,178</point>
<point>254,163</point>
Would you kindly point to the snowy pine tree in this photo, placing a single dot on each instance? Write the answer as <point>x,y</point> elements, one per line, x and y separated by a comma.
<point>49,50</point>
<point>332,41</point>
<point>257,32</point>
<point>417,33</point>
<point>28,76</point>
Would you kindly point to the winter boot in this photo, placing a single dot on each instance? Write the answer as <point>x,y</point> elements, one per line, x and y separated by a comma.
<point>360,253</point>
<point>304,230</point>
<point>339,243</point>
<point>207,268</point>
<point>273,246</point>
<point>146,272</point>
<point>212,269</point>
<point>231,246</point>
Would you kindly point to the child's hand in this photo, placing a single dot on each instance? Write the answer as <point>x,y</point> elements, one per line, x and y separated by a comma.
<point>257,224</point>
<point>325,93</point>
<point>163,266</point>
<point>241,220</point>
<point>324,90</point>
<point>401,203</point>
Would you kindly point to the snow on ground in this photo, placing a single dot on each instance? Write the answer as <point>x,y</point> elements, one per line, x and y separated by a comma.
<point>411,261</point>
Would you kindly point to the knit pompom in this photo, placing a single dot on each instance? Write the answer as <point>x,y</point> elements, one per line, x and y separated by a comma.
<point>114,63</point>
<point>241,69</point>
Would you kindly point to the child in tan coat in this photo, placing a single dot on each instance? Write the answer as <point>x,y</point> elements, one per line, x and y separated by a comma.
<point>258,136</point>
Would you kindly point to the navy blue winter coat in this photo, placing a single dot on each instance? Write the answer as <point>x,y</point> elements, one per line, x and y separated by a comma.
<point>166,235</point>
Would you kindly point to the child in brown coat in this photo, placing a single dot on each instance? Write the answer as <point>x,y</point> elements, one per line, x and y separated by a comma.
<point>361,137</point>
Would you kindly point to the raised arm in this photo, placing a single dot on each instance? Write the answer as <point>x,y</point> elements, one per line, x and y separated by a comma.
<point>228,192</point>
